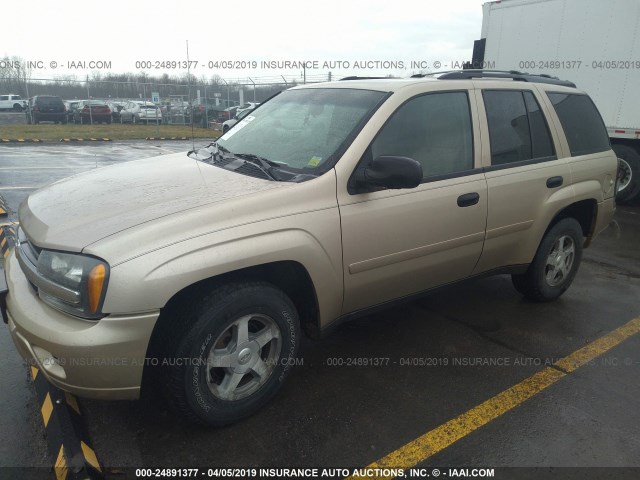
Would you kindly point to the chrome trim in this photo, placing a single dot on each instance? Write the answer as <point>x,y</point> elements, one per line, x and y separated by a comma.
<point>31,272</point>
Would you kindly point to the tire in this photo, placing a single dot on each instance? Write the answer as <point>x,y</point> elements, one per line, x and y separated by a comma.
<point>248,375</point>
<point>630,170</point>
<point>555,265</point>
<point>17,108</point>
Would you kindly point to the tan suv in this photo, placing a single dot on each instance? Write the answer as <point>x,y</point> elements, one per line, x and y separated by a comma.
<point>199,269</point>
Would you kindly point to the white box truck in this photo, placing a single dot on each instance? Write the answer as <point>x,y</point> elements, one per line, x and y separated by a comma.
<point>593,43</point>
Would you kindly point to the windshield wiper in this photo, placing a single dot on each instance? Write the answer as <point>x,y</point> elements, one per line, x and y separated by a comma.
<point>208,149</point>
<point>264,164</point>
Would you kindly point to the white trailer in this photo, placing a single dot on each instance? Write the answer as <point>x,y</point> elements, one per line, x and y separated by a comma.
<point>593,43</point>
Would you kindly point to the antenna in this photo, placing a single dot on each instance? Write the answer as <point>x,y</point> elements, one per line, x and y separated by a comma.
<point>193,141</point>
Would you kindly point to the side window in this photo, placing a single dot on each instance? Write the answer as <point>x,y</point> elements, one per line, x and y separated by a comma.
<point>581,122</point>
<point>541,143</point>
<point>518,130</point>
<point>4,97</point>
<point>434,129</point>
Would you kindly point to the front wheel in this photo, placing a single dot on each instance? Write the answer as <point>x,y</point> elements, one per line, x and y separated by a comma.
<point>555,265</point>
<point>239,346</point>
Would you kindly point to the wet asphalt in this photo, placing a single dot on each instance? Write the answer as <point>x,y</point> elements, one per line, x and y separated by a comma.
<point>350,416</point>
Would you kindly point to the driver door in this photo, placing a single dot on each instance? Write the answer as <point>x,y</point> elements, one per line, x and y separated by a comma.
<point>400,242</point>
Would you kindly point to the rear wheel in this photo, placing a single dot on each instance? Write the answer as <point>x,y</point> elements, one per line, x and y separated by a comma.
<point>628,173</point>
<point>17,108</point>
<point>555,265</point>
<point>240,341</point>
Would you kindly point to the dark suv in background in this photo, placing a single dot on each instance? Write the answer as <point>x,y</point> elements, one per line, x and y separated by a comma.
<point>46,108</point>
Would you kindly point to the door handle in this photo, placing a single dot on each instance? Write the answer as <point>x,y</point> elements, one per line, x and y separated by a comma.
<point>468,199</point>
<point>554,182</point>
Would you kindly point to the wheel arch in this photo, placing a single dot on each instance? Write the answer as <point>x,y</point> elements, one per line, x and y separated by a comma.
<point>289,276</point>
<point>583,211</point>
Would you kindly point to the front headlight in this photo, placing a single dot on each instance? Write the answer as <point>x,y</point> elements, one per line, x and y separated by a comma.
<point>85,275</point>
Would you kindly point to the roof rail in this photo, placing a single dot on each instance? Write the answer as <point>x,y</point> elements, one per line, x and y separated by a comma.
<point>512,74</point>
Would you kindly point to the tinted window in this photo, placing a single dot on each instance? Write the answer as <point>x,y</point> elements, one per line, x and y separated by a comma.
<point>508,126</point>
<point>433,129</point>
<point>50,101</point>
<point>4,97</point>
<point>518,130</point>
<point>541,143</point>
<point>581,122</point>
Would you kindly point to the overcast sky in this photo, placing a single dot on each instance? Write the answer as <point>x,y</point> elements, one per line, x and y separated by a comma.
<point>123,32</point>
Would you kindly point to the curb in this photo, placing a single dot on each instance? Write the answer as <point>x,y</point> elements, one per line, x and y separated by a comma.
<point>65,432</point>
<point>168,138</point>
<point>21,140</point>
<point>7,239</point>
<point>67,438</point>
<point>85,140</point>
<point>3,206</point>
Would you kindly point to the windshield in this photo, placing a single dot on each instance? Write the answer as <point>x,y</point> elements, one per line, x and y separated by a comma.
<point>301,129</point>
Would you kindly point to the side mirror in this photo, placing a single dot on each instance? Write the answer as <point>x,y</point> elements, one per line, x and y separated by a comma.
<point>393,172</point>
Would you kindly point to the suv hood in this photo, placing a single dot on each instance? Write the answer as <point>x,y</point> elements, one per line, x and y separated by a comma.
<point>80,210</point>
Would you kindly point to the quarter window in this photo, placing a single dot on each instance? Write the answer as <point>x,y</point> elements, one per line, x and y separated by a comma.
<point>581,122</point>
<point>434,129</point>
<point>518,130</point>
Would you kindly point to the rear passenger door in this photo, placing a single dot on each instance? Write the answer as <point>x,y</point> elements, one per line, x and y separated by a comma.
<point>527,181</point>
<point>400,242</point>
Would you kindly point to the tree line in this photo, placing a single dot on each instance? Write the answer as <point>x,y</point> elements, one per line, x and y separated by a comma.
<point>17,78</point>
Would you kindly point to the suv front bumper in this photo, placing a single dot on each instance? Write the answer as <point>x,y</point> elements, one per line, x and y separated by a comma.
<point>95,359</point>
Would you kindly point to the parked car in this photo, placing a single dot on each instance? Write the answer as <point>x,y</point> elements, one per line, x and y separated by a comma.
<point>230,123</point>
<point>91,112</point>
<point>116,107</point>
<point>139,111</point>
<point>46,108</point>
<point>246,106</point>
<point>334,200</point>
<point>12,102</point>
<point>227,114</point>
<point>71,105</point>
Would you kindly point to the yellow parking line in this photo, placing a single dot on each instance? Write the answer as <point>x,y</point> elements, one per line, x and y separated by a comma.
<point>432,442</point>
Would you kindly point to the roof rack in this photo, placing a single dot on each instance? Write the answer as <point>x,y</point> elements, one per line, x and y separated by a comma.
<point>513,74</point>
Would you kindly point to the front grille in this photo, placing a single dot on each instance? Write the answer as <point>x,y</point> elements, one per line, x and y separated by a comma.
<point>29,253</point>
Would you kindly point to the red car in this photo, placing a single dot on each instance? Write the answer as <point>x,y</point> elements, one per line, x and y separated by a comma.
<point>92,111</point>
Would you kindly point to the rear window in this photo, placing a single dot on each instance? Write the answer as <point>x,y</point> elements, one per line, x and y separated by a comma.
<point>50,101</point>
<point>581,122</point>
